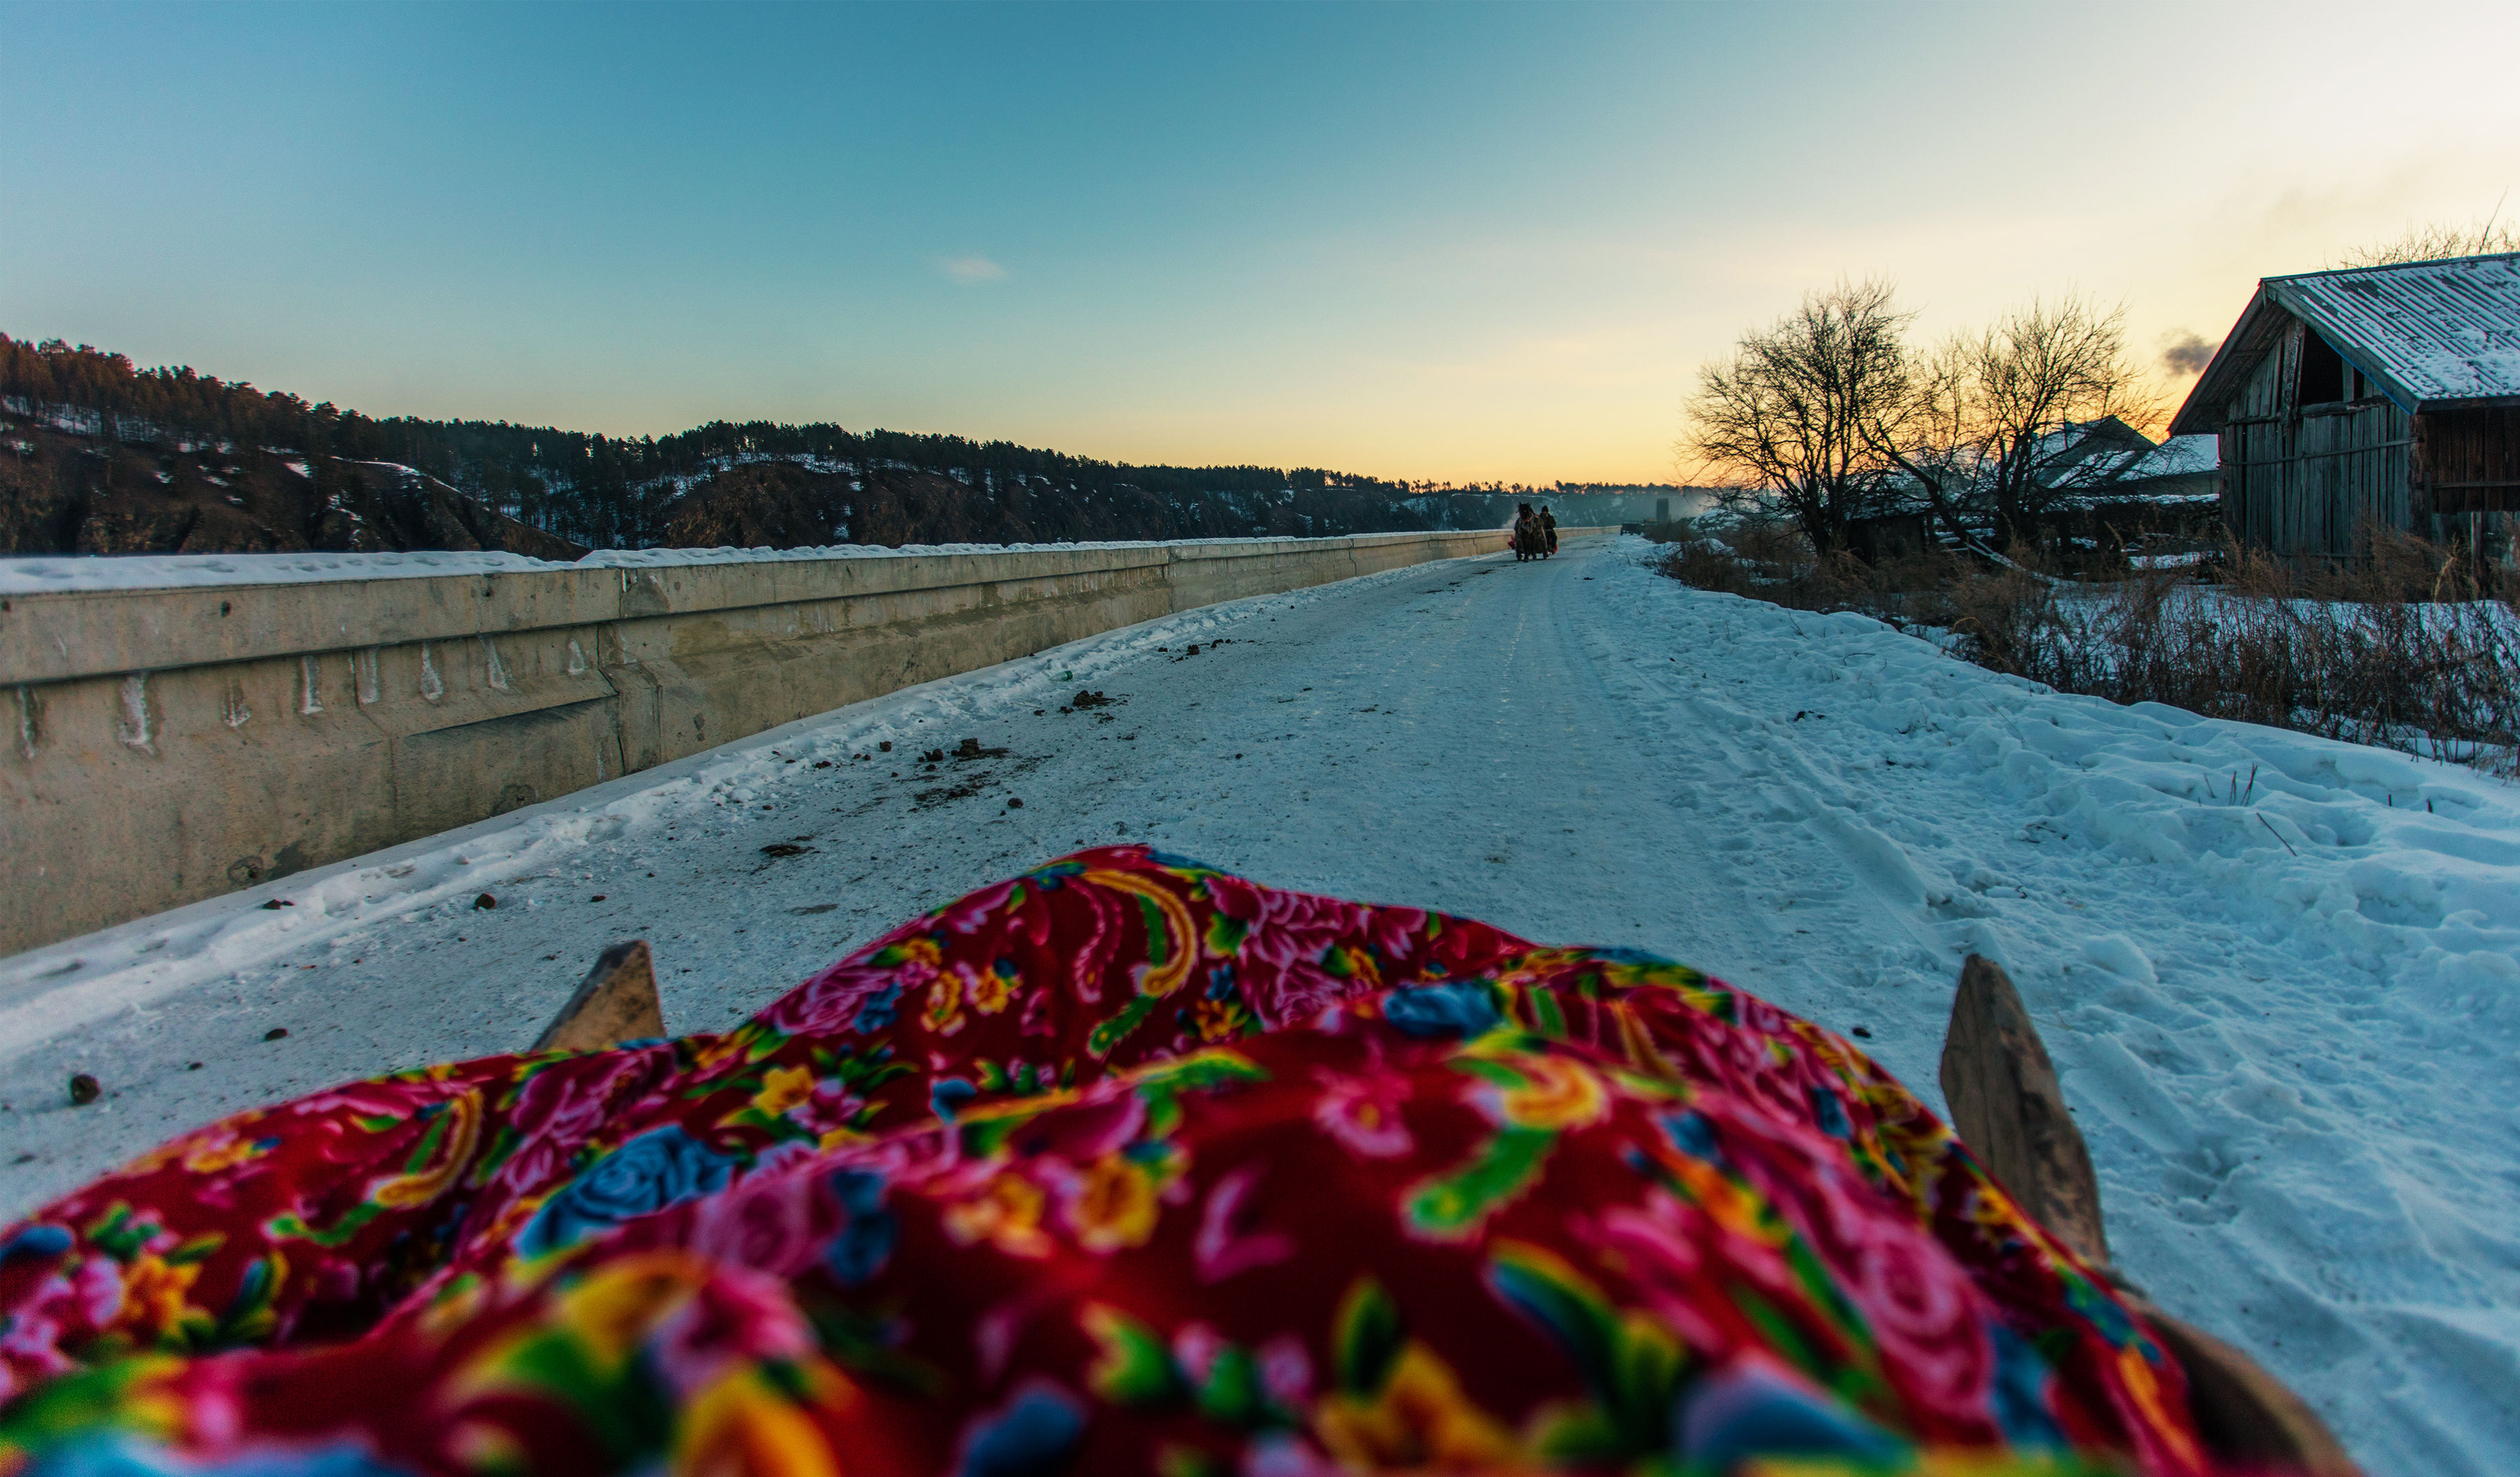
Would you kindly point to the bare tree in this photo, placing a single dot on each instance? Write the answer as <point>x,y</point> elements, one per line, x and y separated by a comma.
<point>1991,420</point>
<point>1782,421</point>
<point>2440,239</point>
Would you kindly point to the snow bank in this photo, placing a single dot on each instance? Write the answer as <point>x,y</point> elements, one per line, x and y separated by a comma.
<point>168,572</point>
<point>652,559</point>
<point>174,571</point>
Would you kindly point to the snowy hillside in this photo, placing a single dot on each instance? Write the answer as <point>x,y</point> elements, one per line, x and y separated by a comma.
<point>2287,1010</point>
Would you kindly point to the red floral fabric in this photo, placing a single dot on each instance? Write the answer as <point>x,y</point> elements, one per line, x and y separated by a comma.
<point>1123,1165</point>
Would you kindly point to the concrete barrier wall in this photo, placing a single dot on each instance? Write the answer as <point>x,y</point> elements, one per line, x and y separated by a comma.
<point>171,744</point>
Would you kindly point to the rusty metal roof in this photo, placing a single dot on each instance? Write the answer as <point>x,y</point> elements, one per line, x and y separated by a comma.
<point>2434,333</point>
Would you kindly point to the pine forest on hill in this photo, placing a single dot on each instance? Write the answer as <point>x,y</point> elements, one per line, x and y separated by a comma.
<point>100,457</point>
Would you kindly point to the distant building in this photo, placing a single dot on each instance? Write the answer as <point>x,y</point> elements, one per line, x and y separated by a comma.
<point>2389,394</point>
<point>2109,486</point>
<point>2087,453</point>
<point>2107,462</point>
<point>2181,469</point>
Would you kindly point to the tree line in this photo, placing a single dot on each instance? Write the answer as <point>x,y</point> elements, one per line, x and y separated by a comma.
<point>616,491</point>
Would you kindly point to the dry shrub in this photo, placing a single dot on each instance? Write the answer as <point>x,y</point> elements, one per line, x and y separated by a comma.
<point>2435,677</point>
<point>1774,564</point>
<point>2405,650</point>
<point>1707,566</point>
<point>1774,545</point>
<point>2392,566</point>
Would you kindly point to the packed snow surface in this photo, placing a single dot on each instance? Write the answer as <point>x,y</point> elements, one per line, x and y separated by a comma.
<point>2277,972</point>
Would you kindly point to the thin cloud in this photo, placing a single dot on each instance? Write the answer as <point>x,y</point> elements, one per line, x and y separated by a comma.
<point>973,269</point>
<point>2186,354</point>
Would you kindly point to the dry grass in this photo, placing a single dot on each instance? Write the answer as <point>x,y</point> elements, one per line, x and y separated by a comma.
<point>2406,651</point>
<point>1774,562</point>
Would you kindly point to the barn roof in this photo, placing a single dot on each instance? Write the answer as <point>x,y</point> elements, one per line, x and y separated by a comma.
<point>2433,333</point>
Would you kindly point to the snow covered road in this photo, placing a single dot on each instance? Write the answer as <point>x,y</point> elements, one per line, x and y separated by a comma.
<point>2287,1011</point>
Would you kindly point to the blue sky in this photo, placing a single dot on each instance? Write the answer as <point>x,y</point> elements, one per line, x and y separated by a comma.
<point>1423,240</point>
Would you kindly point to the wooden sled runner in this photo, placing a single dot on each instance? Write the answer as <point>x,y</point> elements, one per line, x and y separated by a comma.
<point>2007,1107</point>
<point>616,1002</point>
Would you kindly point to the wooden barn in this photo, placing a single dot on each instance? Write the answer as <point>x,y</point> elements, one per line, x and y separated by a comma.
<point>2389,394</point>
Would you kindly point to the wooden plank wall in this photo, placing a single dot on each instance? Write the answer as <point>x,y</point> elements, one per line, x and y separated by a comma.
<point>2348,464</point>
<point>2301,480</point>
<point>2470,459</point>
<point>2253,445</point>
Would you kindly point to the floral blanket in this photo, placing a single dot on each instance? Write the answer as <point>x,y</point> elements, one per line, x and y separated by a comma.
<point>1125,1165</point>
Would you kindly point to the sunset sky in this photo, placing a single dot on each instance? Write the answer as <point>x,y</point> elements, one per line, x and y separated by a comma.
<point>1423,240</point>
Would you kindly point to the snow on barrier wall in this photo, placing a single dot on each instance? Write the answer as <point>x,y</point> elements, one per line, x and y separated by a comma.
<point>171,743</point>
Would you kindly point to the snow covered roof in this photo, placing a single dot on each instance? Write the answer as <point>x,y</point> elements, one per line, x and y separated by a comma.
<point>2094,461</point>
<point>2108,457</point>
<point>2088,451</point>
<point>2178,457</point>
<point>2435,335</point>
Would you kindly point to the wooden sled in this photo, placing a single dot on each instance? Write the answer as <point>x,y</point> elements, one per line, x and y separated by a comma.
<point>2007,1107</point>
